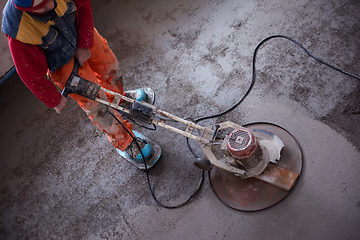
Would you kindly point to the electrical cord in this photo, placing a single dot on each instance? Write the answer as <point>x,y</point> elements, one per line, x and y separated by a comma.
<point>225,112</point>
<point>153,125</point>
<point>196,190</point>
<point>196,120</point>
<point>147,173</point>
<point>254,73</point>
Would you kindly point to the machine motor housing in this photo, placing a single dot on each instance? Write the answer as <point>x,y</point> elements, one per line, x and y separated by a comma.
<point>248,153</point>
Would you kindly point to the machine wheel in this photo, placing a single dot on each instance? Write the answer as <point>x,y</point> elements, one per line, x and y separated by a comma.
<point>203,164</point>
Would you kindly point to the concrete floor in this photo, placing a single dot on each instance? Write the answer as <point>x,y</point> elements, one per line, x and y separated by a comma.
<point>62,179</point>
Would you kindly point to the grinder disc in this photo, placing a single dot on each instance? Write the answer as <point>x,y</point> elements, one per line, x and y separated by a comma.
<point>252,194</point>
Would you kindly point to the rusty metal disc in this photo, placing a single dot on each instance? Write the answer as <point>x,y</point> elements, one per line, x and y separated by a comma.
<point>252,194</point>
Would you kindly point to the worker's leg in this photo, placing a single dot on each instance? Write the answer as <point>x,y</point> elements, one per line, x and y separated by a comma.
<point>103,68</point>
<point>106,68</point>
<point>97,112</point>
<point>105,65</point>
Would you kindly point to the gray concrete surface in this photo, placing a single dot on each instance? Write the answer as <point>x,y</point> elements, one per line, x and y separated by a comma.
<point>61,179</point>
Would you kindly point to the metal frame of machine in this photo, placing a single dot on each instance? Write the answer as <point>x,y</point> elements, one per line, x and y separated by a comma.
<point>215,149</point>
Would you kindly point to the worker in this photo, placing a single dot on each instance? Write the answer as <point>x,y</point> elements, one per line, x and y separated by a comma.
<point>46,38</point>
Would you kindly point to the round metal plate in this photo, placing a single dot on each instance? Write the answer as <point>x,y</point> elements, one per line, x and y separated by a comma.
<point>252,194</point>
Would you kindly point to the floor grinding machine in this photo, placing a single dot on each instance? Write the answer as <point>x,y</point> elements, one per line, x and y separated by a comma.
<point>251,167</point>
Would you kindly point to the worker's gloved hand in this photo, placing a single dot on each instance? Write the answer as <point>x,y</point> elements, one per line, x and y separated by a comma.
<point>82,55</point>
<point>62,105</point>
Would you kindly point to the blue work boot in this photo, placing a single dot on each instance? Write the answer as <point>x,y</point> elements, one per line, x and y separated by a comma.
<point>150,150</point>
<point>133,150</point>
<point>138,94</point>
<point>142,94</point>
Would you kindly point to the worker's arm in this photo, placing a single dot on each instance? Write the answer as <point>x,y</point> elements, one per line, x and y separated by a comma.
<point>85,29</point>
<point>31,66</point>
<point>62,105</point>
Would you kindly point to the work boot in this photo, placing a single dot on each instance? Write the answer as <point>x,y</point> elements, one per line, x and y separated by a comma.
<point>138,94</point>
<point>133,150</point>
<point>144,94</point>
<point>149,148</point>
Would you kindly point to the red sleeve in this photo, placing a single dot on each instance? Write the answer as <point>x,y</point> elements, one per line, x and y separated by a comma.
<point>31,66</point>
<point>84,24</point>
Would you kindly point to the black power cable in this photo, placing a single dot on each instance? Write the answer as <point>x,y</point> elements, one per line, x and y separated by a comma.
<point>227,111</point>
<point>147,173</point>
<point>254,73</point>
<point>196,120</point>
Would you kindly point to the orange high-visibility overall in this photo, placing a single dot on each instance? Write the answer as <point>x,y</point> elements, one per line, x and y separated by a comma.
<point>101,68</point>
